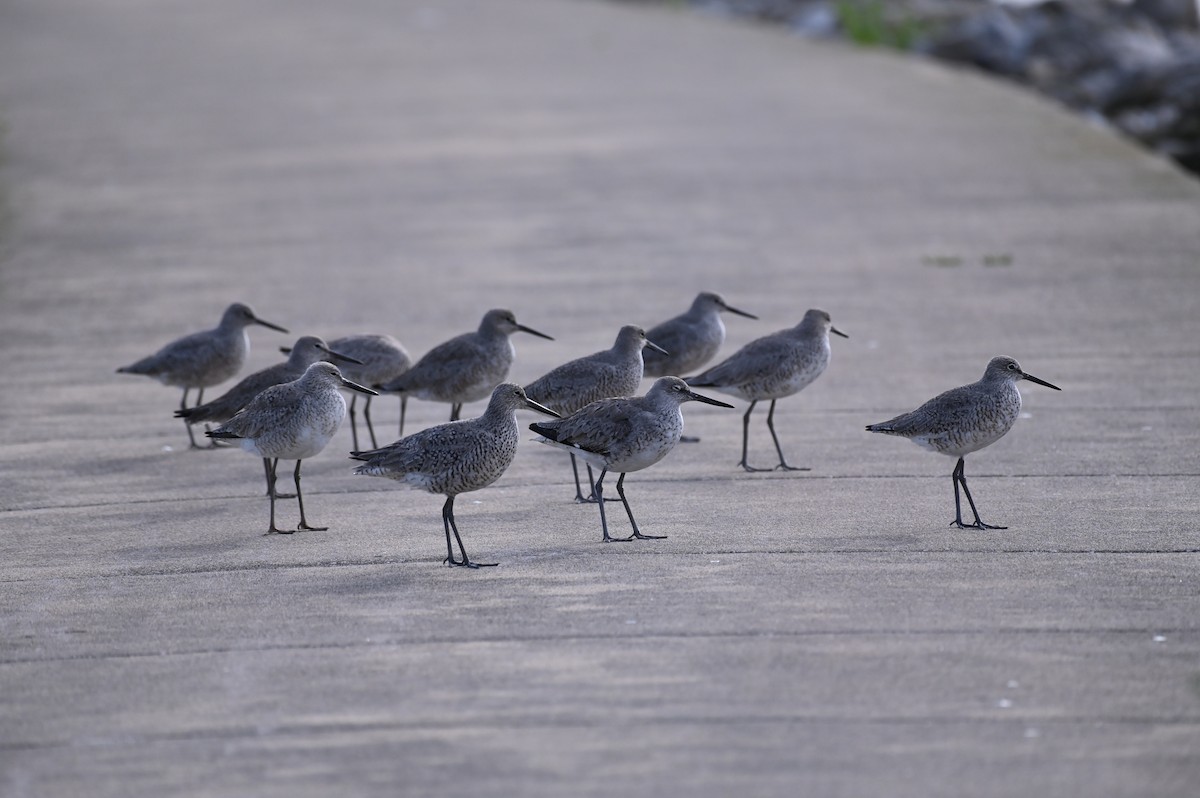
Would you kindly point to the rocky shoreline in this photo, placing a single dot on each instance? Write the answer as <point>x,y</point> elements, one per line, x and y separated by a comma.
<point>1132,64</point>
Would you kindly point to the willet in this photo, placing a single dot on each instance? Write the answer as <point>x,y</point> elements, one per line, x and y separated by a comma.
<point>202,359</point>
<point>964,420</point>
<point>773,367</point>
<point>692,338</point>
<point>464,369</point>
<point>615,372</point>
<point>624,435</point>
<point>292,421</point>
<point>308,349</point>
<point>457,457</point>
<point>380,359</point>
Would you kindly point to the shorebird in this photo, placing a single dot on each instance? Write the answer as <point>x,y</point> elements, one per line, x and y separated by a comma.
<point>465,368</point>
<point>773,367</point>
<point>203,359</point>
<point>378,359</point>
<point>308,349</point>
<point>964,420</point>
<point>457,457</point>
<point>624,435</point>
<point>692,338</point>
<point>292,421</point>
<point>615,372</point>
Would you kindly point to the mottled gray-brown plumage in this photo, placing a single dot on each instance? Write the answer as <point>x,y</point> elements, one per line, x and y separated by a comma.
<point>456,457</point>
<point>772,367</point>
<point>614,372</point>
<point>203,359</point>
<point>692,338</point>
<point>624,435</point>
<point>307,350</point>
<point>292,421</point>
<point>383,359</point>
<point>464,369</point>
<point>964,420</point>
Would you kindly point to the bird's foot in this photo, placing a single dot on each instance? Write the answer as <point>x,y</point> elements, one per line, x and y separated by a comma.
<point>610,539</point>
<point>977,525</point>
<point>786,467</point>
<point>640,536</point>
<point>274,531</point>
<point>307,528</point>
<point>465,563</point>
<point>751,469</point>
<point>579,499</point>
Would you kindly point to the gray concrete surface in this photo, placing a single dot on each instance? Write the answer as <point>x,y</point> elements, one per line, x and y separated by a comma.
<point>400,167</point>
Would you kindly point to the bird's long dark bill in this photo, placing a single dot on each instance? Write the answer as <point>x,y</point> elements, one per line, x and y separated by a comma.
<point>656,347</point>
<point>740,312</point>
<point>708,401</point>
<point>836,331</point>
<point>532,405</point>
<point>344,358</point>
<point>1032,378</point>
<point>269,324</point>
<point>532,331</point>
<point>354,386</point>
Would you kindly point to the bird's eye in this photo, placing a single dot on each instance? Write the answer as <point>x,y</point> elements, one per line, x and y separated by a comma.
<point>1013,367</point>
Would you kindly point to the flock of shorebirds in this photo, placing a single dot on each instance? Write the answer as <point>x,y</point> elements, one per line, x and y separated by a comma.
<point>290,411</point>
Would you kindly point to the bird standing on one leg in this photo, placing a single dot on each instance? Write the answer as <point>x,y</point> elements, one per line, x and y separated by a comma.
<point>464,369</point>
<point>964,420</point>
<point>292,421</point>
<point>624,435</point>
<point>773,367</point>
<point>615,372</point>
<point>203,359</point>
<point>457,457</point>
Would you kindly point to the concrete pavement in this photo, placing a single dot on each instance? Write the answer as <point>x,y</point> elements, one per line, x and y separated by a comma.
<point>401,167</point>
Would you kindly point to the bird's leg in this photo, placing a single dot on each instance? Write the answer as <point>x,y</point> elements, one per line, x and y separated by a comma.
<point>579,499</point>
<point>270,465</point>
<point>455,411</point>
<point>446,509</point>
<point>271,482</point>
<point>300,501</point>
<point>403,408</point>
<point>746,438</point>
<point>353,422</point>
<point>370,428</point>
<point>771,426</point>
<point>598,492</point>
<point>960,479</point>
<point>448,522</point>
<point>637,533</point>
<point>186,425</point>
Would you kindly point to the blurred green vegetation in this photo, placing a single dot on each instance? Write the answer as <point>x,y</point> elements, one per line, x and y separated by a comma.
<point>870,24</point>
